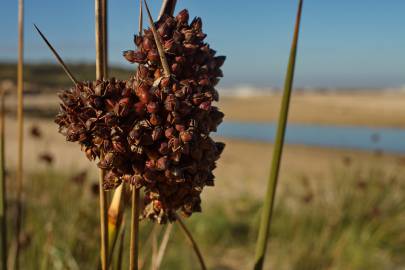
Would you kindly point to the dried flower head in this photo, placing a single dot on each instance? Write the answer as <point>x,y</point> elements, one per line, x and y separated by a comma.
<point>153,130</point>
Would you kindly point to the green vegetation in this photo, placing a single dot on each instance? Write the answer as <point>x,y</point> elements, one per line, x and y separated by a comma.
<point>352,223</point>
<point>52,75</point>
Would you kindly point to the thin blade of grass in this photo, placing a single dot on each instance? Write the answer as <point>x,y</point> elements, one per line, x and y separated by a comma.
<point>154,250</point>
<point>134,243</point>
<point>3,201</point>
<point>268,206</point>
<point>120,256</point>
<point>146,244</point>
<point>20,132</point>
<point>159,46</point>
<point>100,74</point>
<point>55,53</point>
<point>193,243</point>
<point>163,246</point>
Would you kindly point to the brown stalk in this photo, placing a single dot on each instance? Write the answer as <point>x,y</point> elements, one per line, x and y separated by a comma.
<point>3,201</point>
<point>134,243</point>
<point>161,51</point>
<point>104,8</point>
<point>101,67</point>
<point>140,22</point>
<point>193,243</point>
<point>168,7</point>
<point>55,53</point>
<point>20,120</point>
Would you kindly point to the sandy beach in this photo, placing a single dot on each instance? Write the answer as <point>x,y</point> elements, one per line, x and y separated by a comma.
<point>361,108</point>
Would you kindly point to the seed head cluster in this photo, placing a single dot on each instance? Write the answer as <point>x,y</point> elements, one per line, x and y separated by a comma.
<point>152,131</point>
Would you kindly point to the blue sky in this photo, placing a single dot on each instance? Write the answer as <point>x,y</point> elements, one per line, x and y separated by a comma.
<point>345,43</point>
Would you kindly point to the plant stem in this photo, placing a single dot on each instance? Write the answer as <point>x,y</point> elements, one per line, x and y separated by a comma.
<point>146,245</point>
<point>277,152</point>
<point>140,19</point>
<point>101,67</point>
<point>167,8</point>
<point>158,42</point>
<point>193,243</point>
<point>134,246</point>
<point>121,248</point>
<point>20,120</point>
<point>154,250</point>
<point>163,246</point>
<point>103,222</point>
<point>3,201</point>
<point>104,8</point>
<point>57,56</point>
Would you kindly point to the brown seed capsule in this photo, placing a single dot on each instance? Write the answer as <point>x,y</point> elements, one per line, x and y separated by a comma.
<point>219,61</point>
<point>139,107</point>
<point>178,37</point>
<point>108,161</point>
<point>142,71</point>
<point>119,146</point>
<point>150,164</point>
<point>134,56</point>
<point>186,136</point>
<point>180,127</point>
<point>176,68</point>
<point>153,55</point>
<point>162,163</point>
<point>169,46</point>
<point>157,74</point>
<point>155,119</point>
<point>174,143</point>
<point>182,17</point>
<point>157,133</point>
<point>165,82</point>
<point>169,133</point>
<point>171,103</point>
<point>204,82</point>
<point>148,44</point>
<point>144,95</point>
<point>206,106</point>
<point>138,40</point>
<point>152,107</point>
<point>163,148</point>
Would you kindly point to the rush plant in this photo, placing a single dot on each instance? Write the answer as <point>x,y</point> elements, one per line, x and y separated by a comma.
<point>268,205</point>
<point>152,131</point>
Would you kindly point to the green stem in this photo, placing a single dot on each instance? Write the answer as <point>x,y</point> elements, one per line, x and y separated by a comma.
<point>193,243</point>
<point>277,152</point>
<point>134,245</point>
